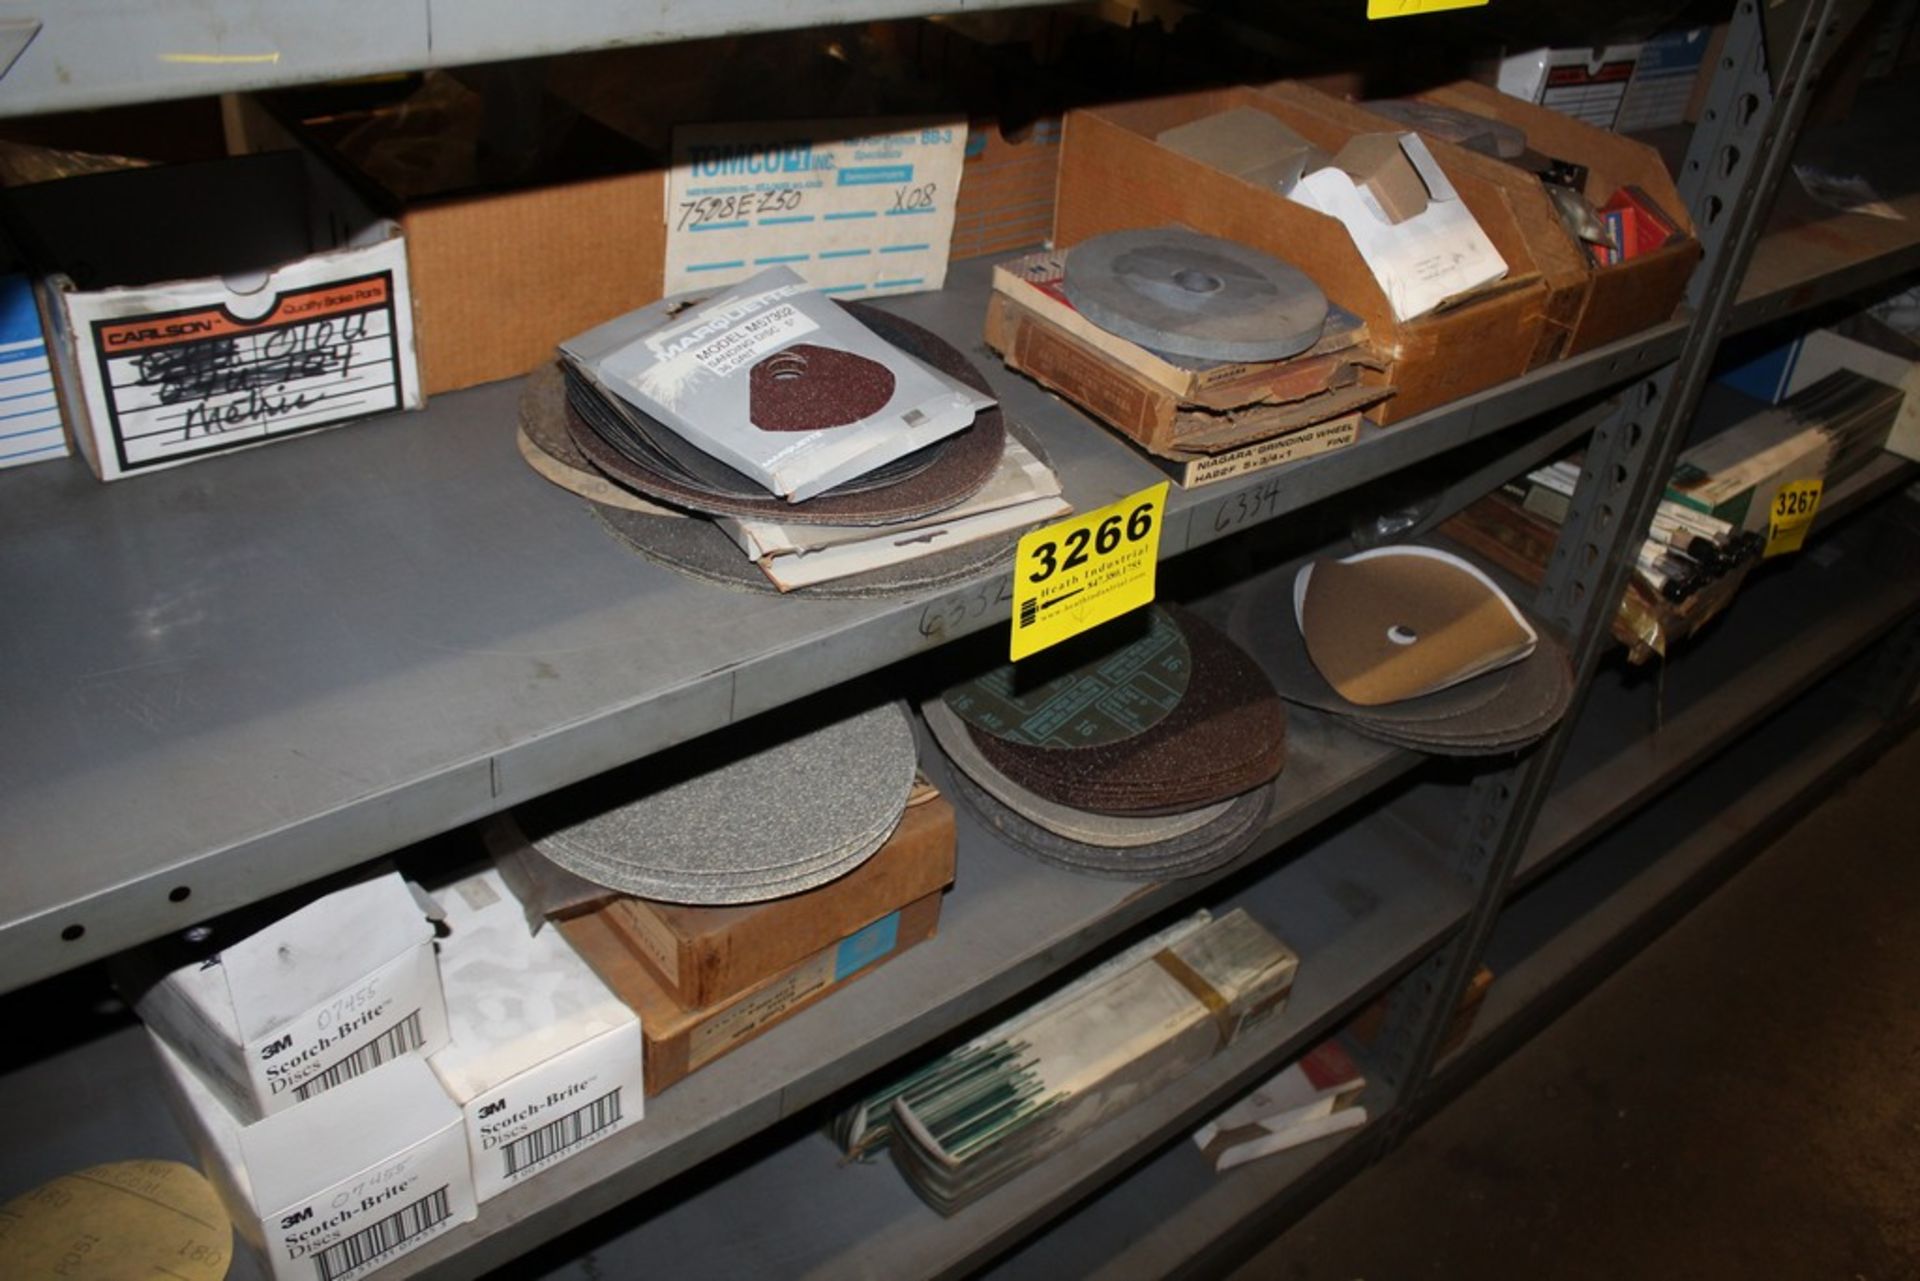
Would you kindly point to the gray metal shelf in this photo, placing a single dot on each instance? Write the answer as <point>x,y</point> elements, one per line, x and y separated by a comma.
<point>1787,628</point>
<point>1578,925</point>
<point>1360,906</point>
<point>117,52</point>
<point>236,677</point>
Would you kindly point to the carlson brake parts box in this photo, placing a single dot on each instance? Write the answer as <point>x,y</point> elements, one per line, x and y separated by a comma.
<point>196,309</point>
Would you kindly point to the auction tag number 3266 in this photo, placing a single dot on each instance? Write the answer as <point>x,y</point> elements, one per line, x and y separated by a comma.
<point>1080,572</point>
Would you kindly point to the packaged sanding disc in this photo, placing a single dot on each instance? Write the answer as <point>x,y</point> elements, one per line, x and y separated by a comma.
<point>774,379</point>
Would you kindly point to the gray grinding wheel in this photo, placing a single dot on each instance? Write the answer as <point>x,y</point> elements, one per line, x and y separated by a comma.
<point>1176,291</point>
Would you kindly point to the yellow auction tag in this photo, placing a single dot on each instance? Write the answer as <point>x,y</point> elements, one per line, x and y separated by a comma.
<point>1080,572</point>
<point>1408,8</point>
<point>1791,515</point>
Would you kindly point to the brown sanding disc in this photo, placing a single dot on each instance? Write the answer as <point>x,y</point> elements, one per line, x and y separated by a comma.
<point>1226,736</point>
<point>807,387</point>
<point>970,460</point>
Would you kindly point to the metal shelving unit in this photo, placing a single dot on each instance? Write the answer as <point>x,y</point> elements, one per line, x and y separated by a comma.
<point>295,660</point>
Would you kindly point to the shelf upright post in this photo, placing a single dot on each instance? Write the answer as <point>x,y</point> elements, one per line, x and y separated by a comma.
<point>1734,163</point>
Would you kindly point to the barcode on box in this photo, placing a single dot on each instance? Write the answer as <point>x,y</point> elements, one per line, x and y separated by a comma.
<point>201,380</point>
<point>399,1039</point>
<point>557,1136</point>
<point>389,1234</point>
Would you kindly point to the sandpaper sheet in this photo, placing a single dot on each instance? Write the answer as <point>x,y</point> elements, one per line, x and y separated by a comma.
<point>1226,736</point>
<point>1399,622</point>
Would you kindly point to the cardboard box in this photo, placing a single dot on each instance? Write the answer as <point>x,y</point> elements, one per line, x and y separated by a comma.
<point>1510,206</point>
<point>254,299</point>
<point>502,275</point>
<point>1007,184</point>
<point>30,426</point>
<point>1585,83</point>
<point>369,1172</point>
<point>1735,474</point>
<point>1625,297</point>
<point>1258,407</point>
<point>1664,78</point>
<point>682,1040</point>
<point>704,955</point>
<point>304,1005</point>
<point>542,1059</point>
<point>1115,176</point>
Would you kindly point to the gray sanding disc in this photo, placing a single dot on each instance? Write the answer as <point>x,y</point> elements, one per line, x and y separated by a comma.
<point>1108,831</point>
<point>1200,851</point>
<point>728,819</point>
<point>1176,291</point>
<point>1073,703</point>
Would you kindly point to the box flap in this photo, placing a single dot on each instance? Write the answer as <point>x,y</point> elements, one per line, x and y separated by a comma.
<point>514,999</point>
<point>298,962</point>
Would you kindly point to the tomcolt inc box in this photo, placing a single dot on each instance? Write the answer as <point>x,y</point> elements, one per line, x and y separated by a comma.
<point>196,309</point>
<point>543,1060</point>
<point>305,1004</point>
<point>333,1191</point>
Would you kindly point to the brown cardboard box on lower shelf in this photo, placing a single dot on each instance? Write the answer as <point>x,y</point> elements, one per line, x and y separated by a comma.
<point>704,955</point>
<point>681,1041</point>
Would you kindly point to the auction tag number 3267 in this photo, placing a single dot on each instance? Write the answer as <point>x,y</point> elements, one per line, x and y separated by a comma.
<point>1080,572</point>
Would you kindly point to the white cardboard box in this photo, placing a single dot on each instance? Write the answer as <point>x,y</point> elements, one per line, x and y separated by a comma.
<point>285,1014</point>
<point>544,1060</point>
<point>252,298</point>
<point>333,1191</point>
<point>30,428</point>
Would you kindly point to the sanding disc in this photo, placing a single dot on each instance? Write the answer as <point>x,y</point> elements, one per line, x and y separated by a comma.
<point>731,819</point>
<point>1492,714</point>
<point>807,387</point>
<point>1083,693</point>
<point>128,1221</point>
<point>584,482</point>
<point>1225,736</point>
<point>957,468</point>
<point>1109,831</point>
<point>1176,291</point>
<point>1195,853</point>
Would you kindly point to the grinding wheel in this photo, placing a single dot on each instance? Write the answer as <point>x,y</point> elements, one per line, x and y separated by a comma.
<point>1175,291</point>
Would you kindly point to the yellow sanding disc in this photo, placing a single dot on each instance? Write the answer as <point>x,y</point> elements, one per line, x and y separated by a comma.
<point>129,1221</point>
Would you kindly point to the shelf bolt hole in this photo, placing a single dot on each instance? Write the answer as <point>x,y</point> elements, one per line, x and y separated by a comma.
<point>73,932</point>
<point>178,894</point>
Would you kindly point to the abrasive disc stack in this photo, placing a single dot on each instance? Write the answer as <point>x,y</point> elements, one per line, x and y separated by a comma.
<point>731,819</point>
<point>940,513</point>
<point>1142,750</point>
<point>1412,646</point>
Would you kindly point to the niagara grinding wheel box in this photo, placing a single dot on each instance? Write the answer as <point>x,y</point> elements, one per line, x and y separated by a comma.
<point>250,299</point>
